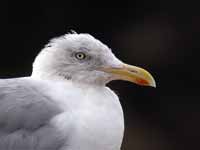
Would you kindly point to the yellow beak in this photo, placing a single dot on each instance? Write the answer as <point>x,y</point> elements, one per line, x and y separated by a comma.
<point>133,74</point>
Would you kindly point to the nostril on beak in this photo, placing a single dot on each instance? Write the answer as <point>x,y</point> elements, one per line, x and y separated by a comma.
<point>134,71</point>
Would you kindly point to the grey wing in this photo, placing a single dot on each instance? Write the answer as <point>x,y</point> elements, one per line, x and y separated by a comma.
<point>25,114</point>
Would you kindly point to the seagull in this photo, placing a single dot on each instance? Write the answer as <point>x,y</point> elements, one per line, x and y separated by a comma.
<point>65,104</point>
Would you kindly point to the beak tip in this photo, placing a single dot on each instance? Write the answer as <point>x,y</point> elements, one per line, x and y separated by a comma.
<point>153,84</point>
<point>146,82</point>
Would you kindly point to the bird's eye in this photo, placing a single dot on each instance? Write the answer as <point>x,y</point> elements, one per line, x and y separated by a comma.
<point>80,55</point>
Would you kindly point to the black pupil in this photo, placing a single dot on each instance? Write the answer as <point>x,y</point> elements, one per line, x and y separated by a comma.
<point>80,56</point>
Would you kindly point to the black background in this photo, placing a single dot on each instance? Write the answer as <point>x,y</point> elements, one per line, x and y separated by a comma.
<point>160,36</point>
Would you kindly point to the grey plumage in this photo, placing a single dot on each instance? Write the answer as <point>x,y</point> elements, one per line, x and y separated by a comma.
<point>65,104</point>
<point>25,115</point>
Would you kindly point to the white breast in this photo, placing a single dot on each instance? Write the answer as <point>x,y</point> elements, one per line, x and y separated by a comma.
<point>92,117</point>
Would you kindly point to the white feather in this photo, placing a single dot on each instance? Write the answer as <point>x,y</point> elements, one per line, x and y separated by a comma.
<point>48,111</point>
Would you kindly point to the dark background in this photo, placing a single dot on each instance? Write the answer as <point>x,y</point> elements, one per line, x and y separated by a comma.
<point>160,36</point>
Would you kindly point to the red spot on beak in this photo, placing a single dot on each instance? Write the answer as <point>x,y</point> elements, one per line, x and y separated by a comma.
<point>142,82</point>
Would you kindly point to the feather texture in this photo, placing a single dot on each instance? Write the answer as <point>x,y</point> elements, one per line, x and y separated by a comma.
<point>25,115</point>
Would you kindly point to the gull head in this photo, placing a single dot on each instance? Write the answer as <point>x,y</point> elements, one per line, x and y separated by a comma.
<point>83,59</point>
